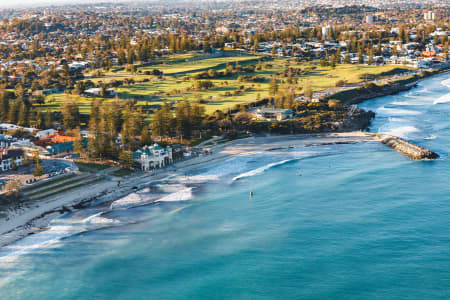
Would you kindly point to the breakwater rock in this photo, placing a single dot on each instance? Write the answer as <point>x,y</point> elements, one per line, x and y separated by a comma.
<point>407,148</point>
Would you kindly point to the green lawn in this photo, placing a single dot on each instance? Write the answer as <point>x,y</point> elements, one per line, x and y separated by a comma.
<point>172,88</point>
<point>94,166</point>
<point>199,65</point>
<point>122,172</point>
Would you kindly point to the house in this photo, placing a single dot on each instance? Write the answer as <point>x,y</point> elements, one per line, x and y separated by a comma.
<point>155,156</point>
<point>273,114</point>
<point>4,127</point>
<point>96,92</point>
<point>59,148</point>
<point>5,141</point>
<point>45,133</point>
<point>7,156</point>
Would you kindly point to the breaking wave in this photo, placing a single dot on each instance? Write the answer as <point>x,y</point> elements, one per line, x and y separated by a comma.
<point>403,131</point>
<point>261,170</point>
<point>97,219</point>
<point>127,201</point>
<point>387,112</point>
<point>446,82</point>
<point>197,178</point>
<point>443,99</point>
<point>181,195</point>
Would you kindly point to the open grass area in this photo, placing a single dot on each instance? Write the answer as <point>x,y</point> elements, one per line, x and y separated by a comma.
<point>39,185</point>
<point>73,187</point>
<point>183,68</point>
<point>122,172</point>
<point>92,165</point>
<point>53,102</point>
<point>55,187</point>
<point>227,91</point>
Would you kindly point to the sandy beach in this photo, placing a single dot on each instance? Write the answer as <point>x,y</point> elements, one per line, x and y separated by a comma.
<point>26,221</point>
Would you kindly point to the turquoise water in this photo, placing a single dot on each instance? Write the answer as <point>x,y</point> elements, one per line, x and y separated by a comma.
<point>345,221</point>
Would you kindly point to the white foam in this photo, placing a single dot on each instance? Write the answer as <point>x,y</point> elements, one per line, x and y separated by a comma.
<point>387,112</point>
<point>397,120</point>
<point>446,82</point>
<point>197,178</point>
<point>443,99</point>
<point>144,191</point>
<point>419,101</point>
<point>97,219</point>
<point>260,170</point>
<point>41,240</point>
<point>127,201</point>
<point>403,131</point>
<point>171,188</point>
<point>431,137</point>
<point>181,195</point>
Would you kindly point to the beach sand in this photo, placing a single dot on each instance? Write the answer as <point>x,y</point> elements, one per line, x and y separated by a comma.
<point>19,224</point>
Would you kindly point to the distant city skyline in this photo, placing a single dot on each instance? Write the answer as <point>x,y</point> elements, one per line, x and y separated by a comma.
<point>300,3</point>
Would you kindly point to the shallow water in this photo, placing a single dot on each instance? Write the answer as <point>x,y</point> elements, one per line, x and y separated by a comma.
<point>338,221</point>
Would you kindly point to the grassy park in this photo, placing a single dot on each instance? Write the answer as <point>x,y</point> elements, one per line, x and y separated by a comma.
<point>177,82</point>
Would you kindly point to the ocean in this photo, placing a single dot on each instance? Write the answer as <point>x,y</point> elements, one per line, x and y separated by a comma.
<point>353,221</point>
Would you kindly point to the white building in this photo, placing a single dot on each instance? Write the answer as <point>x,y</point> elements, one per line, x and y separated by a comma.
<point>5,141</point>
<point>273,114</point>
<point>45,133</point>
<point>325,31</point>
<point>369,19</point>
<point>151,157</point>
<point>7,156</point>
<point>429,16</point>
<point>96,92</point>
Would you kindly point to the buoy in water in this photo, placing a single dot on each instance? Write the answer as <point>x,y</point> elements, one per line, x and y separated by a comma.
<point>251,194</point>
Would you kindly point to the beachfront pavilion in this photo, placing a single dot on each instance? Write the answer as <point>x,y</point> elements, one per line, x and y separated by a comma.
<point>151,157</point>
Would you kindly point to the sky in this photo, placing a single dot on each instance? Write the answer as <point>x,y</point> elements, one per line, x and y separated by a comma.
<point>24,3</point>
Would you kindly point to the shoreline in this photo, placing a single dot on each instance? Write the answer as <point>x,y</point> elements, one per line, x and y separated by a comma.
<point>19,225</point>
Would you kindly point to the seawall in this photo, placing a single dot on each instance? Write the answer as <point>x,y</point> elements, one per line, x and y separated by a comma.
<point>407,148</point>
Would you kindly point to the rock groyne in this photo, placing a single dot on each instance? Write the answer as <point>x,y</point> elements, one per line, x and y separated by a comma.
<point>407,148</point>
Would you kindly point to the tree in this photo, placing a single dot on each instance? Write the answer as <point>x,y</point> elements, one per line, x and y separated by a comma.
<point>273,86</point>
<point>12,188</point>
<point>48,120</point>
<point>126,159</point>
<point>333,61</point>
<point>71,114</point>
<point>347,58</point>
<point>38,170</point>
<point>78,145</point>
<point>308,90</point>
<point>146,139</point>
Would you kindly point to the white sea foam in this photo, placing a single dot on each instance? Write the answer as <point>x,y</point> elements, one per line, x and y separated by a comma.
<point>446,82</point>
<point>97,219</point>
<point>403,131</point>
<point>197,178</point>
<point>127,201</point>
<point>144,191</point>
<point>171,188</point>
<point>180,195</point>
<point>419,101</point>
<point>397,120</point>
<point>443,99</point>
<point>387,112</point>
<point>260,170</point>
<point>431,137</point>
<point>42,240</point>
